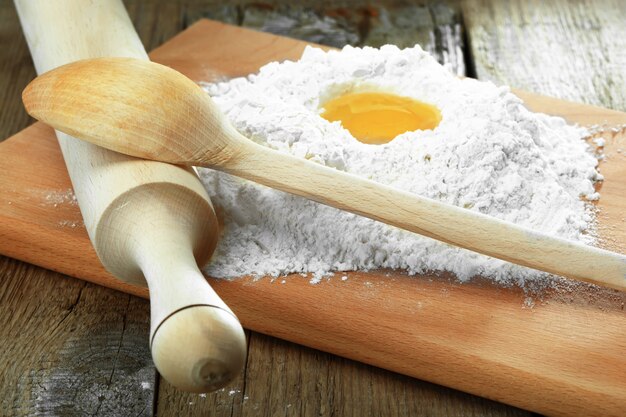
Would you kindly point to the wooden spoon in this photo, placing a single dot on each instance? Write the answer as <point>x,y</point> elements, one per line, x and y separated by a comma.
<point>151,111</point>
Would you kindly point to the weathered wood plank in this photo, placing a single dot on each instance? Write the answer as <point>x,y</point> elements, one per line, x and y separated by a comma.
<point>435,27</point>
<point>227,13</point>
<point>155,22</point>
<point>570,50</point>
<point>403,26</point>
<point>16,71</point>
<point>226,402</point>
<point>449,42</point>
<point>302,23</point>
<point>284,379</point>
<point>67,353</point>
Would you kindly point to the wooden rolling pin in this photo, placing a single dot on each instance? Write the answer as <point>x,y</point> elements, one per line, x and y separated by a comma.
<point>145,219</point>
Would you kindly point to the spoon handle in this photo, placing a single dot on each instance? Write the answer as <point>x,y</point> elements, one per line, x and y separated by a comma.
<point>447,223</point>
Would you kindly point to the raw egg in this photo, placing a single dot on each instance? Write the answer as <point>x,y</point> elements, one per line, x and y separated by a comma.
<point>377,118</point>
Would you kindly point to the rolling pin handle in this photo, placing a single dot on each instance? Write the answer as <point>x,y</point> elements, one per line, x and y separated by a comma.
<point>197,342</point>
<point>214,348</point>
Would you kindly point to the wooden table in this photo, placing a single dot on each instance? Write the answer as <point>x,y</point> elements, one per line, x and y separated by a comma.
<point>71,348</point>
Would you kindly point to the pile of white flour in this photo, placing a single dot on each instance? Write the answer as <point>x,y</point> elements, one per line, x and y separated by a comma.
<point>488,154</point>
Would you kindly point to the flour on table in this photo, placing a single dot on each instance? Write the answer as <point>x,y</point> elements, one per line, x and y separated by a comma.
<point>489,154</point>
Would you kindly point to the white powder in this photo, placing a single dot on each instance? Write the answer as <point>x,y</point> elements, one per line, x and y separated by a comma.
<point>488,154</point>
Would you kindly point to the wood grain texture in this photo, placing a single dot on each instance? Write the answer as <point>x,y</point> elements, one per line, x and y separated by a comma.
<point>16,71</point>
<point>435,27</point>
<point>570,50</point>
<point>301,382</point>
<point>556,362</point>
<point>66,355</point>
<point>303,23</point>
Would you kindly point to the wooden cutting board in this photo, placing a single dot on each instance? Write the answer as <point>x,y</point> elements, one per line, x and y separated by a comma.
<point>558,352</point>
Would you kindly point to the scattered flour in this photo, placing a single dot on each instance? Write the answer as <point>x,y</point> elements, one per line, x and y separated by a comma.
<point>55,198</point>
<point>488,154</point>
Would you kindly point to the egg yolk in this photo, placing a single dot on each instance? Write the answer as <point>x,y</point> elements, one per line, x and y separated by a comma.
<point>377,118</point>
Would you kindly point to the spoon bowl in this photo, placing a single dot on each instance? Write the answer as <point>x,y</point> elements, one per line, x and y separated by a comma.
<point>134,107</point>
